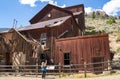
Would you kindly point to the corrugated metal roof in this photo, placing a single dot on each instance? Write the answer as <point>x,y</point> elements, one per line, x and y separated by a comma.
<point>49,23</point>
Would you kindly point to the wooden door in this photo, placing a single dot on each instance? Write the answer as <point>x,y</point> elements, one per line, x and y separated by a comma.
<point>8,61</point>
<point>97,65</point>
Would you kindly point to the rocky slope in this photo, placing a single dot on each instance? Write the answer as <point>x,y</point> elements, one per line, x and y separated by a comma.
<point>100,24</point>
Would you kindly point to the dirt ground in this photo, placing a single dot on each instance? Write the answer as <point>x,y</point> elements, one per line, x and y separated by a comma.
<point>10,77</point>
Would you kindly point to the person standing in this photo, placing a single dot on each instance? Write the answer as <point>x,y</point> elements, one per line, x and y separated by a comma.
<point>43,67</point>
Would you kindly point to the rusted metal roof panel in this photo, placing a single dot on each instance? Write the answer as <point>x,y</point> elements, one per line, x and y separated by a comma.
<point>49,23</point>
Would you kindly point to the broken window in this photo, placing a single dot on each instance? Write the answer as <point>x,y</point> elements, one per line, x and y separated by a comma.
<point>43,38</point>
<point>42,56</point>
<point>67,58</point>
<point>49,15</point>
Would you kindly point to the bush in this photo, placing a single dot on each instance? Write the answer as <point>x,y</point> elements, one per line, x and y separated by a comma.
<point>118,50</point>
<point>118,36</point>
<point>111,20</point>
<point>91,32</point>
<point>93,15</point>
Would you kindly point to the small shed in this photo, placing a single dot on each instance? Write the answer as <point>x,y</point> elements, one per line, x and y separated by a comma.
<point>77,50</point>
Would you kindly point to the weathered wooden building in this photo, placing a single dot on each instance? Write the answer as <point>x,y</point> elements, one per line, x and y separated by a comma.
<point>15,48</point>
<point>53,23</point>
<point>41,39</point>
<point>4,50</point>
<point>50,23</point>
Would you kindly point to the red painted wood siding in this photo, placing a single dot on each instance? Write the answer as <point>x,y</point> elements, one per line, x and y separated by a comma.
<point>83,47</point>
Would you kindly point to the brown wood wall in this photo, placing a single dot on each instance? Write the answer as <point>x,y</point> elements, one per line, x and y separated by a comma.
<point>57,13</point>
<point>67,25</point>
<point>53,33</point>
<point>76,8</point>
<point>82,48</point>
<point>54,14</point>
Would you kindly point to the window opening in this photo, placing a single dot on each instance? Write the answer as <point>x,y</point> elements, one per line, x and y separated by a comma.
<point>67,58</point>
<point>49,15</point>
<point>43,39</point>
<point>42,56</point>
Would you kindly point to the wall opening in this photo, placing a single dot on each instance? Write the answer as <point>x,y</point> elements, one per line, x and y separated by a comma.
<point>67,58</point>
<point>8,61</point>
<point>42,56</point>
<point>43,38</point>
<point>98,66</point>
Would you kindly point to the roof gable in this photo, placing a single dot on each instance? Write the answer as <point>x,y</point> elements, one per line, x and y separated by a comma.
<point>41,14</point>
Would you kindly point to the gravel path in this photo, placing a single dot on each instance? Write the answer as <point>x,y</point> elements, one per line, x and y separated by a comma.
<point>112,77</point>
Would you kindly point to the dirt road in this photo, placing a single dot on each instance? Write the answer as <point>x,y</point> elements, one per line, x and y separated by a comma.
<point>111,77</point>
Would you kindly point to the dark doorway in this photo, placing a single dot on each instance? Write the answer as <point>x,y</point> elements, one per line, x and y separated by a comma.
<point>97,66</point>
<point>67,58</point>
<point>8,61</point>
<point>42,57</point>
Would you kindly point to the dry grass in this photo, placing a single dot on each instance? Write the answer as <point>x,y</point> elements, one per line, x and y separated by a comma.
<point>79,75</point>
<point>83,75</point>
<point>99,24</point>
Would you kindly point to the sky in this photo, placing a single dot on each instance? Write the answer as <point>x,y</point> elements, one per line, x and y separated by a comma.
<point>22,11</point>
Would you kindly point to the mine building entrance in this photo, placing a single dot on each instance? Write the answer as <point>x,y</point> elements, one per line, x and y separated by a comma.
<point>8,60</point>
<point>97,64</point>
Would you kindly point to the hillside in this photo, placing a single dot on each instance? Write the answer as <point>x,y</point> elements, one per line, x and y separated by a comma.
<point>3,29</point>
<point>99,24</point>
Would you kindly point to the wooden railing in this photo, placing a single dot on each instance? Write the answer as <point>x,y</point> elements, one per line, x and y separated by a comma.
<point>85,68</point>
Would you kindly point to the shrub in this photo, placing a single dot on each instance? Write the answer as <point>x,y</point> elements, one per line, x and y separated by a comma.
<point>118,50</point>
<point>111,20</point>
<point>102,31</point>
<point>118,36</point>
<point>93,15</point>
<point>90,32</point>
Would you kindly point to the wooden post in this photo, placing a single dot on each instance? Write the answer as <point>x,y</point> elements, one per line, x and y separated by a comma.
<point>109,66</point>
<point>85,69</point>
<point>71,69</point>
<point>37,67</point>
<point>16,70</point>
<point>59,70</point>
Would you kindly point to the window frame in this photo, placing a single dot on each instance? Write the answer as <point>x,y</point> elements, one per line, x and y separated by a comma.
<point>67,58</point>
<point>43,38</point>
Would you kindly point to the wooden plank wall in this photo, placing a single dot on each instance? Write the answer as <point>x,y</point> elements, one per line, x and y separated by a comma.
<point>54,14</point>
<point>83,48</point>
